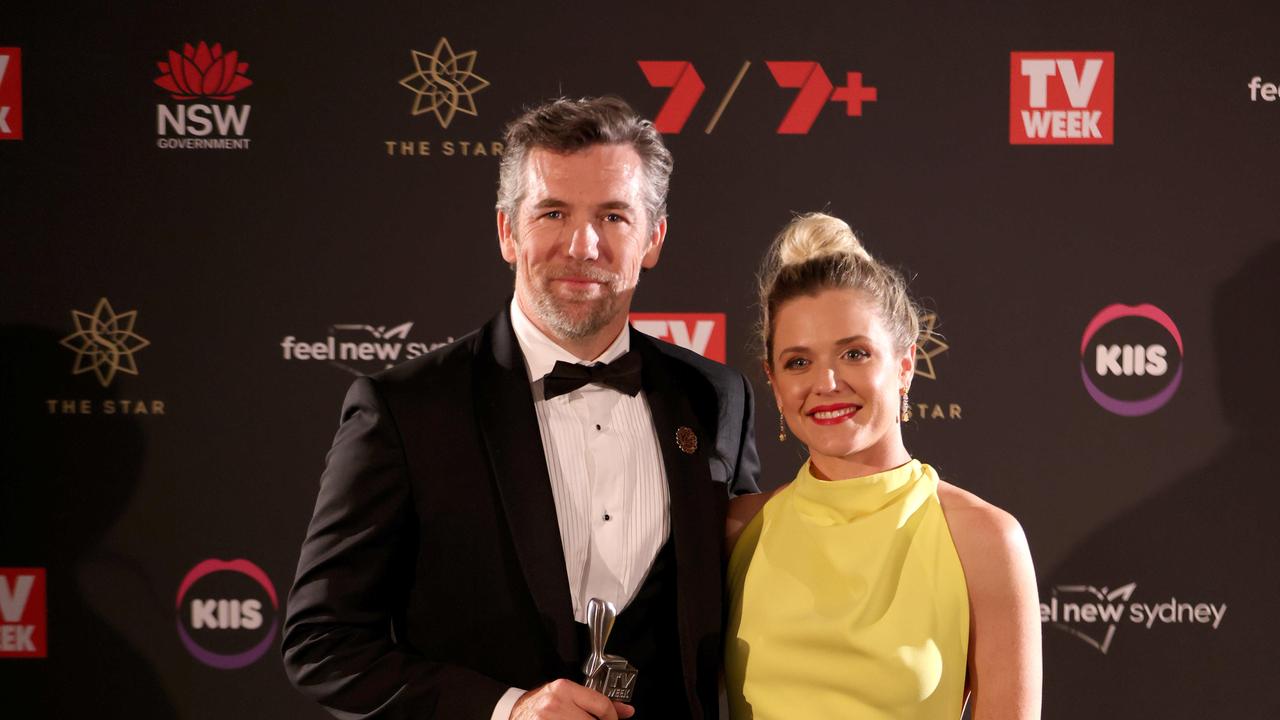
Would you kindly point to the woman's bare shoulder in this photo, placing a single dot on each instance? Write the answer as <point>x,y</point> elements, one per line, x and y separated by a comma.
<point>990,542</point>
<point>1005,673</point>
<point>974,514</point>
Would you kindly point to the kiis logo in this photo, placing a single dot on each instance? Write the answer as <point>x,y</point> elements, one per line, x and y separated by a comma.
<point>360,349</point>
<point>1128,359</point>
<point>22,610</point>
<point>1061,98</point>
<point>815,90</point>
<point>703,333</point>
<point>221,606</point>
<point>1092,614</point>
<point>203,72</point>
<point>10,93</point>
<point>444,84</point>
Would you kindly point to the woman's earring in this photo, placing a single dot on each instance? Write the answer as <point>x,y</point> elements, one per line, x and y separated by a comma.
<point>906,407</point>
<point>782,427</point>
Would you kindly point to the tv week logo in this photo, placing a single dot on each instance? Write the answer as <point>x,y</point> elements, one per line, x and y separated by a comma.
<point>10,93</point>
<point>1062,98</point>
<point>22,613</point>
<point>702,333</point>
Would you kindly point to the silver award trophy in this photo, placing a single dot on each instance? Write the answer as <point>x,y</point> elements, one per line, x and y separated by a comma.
<point>608,674</point>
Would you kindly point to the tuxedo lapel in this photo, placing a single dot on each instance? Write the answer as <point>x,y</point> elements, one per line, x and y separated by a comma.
<point>688,480</point>
<point>509,425</point>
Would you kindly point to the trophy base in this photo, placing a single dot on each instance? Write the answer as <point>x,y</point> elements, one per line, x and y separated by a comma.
<point>615,679</point>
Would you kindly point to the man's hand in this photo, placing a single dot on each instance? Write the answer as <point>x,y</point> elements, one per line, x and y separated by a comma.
<point>567,700</point>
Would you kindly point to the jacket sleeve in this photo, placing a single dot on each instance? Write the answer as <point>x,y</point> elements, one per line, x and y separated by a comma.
<point>354,575</point>
<point>747,469</point>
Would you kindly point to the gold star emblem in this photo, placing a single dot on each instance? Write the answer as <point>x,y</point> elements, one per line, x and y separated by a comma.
<point>444,83</point>
<point>929,345</point>
<point>104,342</point>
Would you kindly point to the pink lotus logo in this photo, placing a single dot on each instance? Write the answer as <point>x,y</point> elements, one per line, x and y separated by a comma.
<point>202,71</point>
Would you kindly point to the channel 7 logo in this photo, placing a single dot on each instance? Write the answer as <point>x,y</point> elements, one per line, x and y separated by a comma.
<point>815,89</point>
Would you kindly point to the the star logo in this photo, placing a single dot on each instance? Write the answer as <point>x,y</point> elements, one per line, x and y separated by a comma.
<point>929,345</point>
<point>444,83</point>
<point>104,342</point>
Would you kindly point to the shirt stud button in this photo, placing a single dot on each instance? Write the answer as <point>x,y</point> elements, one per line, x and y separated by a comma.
<point>607,517</point>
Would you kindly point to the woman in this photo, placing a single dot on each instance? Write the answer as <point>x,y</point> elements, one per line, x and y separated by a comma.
<point>866,588</point>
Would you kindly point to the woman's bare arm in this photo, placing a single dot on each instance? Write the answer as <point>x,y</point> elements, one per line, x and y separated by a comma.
<point>1005,672</point>
<point>742,510</point>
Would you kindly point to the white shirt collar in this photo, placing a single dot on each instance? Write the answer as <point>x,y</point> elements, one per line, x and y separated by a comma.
<point>541,352</point>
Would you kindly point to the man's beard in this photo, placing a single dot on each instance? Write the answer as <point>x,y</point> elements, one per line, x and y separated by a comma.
<point>579,317</point>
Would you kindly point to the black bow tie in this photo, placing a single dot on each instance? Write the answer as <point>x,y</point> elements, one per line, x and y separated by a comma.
<point>622,375</point>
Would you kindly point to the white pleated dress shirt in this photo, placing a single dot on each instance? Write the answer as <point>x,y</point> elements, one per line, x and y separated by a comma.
<point>607,478</point>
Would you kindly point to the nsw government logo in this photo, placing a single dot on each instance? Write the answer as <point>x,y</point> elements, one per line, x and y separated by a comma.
<point>228,613</point>
<point>204,74</point>
<point>1131,359</point>
<point>1062,98</point>
<point>1094,614</point>
<point>22,613</point>
<point>703,333</point>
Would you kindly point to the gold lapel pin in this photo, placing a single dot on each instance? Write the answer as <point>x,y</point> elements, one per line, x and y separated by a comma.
<point>686,440</point>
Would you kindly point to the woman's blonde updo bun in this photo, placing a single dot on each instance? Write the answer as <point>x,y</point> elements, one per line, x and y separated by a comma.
<point>817,252</point>
<point>814,234</point>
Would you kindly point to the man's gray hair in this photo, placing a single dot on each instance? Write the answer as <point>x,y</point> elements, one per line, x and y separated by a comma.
<point>568,126</point>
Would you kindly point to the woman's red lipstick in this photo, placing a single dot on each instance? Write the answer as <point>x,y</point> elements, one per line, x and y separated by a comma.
<point>833,414</point>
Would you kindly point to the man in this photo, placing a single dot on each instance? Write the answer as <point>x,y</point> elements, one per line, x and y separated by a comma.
<point>476,498</point>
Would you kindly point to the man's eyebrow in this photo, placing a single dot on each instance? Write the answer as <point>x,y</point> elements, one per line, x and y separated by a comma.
<point>549,202</point>
<point>552,202</point>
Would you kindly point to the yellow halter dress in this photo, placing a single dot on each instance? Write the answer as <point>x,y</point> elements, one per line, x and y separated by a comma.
<point>847,600</point>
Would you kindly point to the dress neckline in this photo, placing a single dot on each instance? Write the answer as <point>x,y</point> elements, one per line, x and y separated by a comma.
<point>849,499</point>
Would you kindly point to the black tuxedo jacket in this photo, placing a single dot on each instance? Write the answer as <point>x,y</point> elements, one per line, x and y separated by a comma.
<point>432,576</point>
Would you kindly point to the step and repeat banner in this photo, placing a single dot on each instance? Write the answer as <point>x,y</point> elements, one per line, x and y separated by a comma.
<point>214,217</point>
